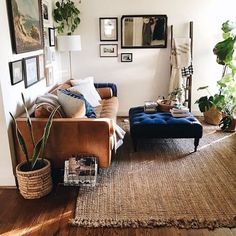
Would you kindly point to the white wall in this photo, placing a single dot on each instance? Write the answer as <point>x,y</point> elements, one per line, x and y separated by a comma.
<point>10,98</point>
<point>148,75</point>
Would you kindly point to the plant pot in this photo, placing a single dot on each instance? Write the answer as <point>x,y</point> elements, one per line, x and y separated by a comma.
<point>232,126</point>
<point>34,184</point>
<point>213,116</point>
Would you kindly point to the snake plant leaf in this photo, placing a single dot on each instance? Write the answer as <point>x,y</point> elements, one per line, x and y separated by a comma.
<point>36,153</point>
<point>20,140</point>
<point>29,123</point>
<point>47,130</point>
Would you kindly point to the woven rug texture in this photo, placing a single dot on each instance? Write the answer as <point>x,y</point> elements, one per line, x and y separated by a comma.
<point>164,183</point>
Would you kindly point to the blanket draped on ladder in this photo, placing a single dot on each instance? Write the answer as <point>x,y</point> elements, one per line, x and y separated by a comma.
<point>180,58</point>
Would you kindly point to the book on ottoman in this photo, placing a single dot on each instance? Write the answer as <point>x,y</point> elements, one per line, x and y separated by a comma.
<point>81,171</point>
<point>150,106</point>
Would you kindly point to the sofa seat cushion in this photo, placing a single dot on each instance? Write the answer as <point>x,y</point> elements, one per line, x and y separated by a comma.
<point>108,108</point>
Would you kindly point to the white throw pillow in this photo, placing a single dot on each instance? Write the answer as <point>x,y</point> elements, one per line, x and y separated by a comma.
<point>73,107</point>
<point>86,87</point>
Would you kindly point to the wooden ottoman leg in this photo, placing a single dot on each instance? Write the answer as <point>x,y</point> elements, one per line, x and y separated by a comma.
<point>196,142</point>
<point>135,144</point>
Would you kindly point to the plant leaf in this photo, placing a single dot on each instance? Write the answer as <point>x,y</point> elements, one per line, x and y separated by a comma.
<point>20,140</point>
<point>47,130</point>
<point>29,123</point>
<point>36,153</point>
<point>204,87</point>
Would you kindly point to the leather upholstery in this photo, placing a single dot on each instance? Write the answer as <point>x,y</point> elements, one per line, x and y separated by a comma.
<point>107,85</point>
<point>105,93</point>
<point>108,108</point>
<point>72,136</point>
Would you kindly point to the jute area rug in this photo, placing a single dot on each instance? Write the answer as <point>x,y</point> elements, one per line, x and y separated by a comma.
<point>165,184</point>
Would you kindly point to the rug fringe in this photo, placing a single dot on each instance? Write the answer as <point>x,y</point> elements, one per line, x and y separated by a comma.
<point>152,223</point>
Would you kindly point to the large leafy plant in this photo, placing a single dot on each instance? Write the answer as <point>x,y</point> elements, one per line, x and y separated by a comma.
<point>225,99</point>
<point>66,15</point>
<point>33,162</point>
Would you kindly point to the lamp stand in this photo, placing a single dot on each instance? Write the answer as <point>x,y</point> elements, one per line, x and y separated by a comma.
<point>70,65</point>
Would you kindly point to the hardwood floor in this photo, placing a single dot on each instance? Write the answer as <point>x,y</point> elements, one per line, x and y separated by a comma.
<point>50,216</point>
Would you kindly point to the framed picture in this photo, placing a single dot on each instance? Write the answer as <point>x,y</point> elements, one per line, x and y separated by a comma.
<point>46,12</point>
<point>108,50</point>
<point>26,25</point>
<point>31,72</point>
<point>41,67</point>
<point>49,76</point>
<point>108,29</point>
<point>126,57</point>
<point>51,33</point>
<point>16,71</point>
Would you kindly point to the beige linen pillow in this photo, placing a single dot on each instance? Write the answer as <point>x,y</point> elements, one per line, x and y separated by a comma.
<point>73,107</point>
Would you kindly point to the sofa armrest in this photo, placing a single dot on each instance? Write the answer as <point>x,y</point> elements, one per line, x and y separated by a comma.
<point>105,93</point>
<point>109,85</point>
<point>70,136</point>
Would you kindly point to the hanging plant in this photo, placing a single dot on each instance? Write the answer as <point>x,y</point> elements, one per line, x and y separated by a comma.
<point>66,15</point>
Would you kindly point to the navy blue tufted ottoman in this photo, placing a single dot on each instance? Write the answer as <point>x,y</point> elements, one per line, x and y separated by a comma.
<point>162,125</point>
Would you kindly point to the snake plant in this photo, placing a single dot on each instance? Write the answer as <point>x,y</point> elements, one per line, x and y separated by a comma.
<point>39,147</point>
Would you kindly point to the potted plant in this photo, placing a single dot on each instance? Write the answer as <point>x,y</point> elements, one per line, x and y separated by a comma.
<point>66,15</point>
<point>222,104</point>
<point>34,174</point>
<point>211,106</point>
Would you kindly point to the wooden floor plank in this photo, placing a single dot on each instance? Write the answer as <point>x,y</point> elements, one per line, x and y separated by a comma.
<point>50,216</point>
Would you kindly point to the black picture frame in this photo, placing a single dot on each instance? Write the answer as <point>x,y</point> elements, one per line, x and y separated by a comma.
<point>26,33</point>
<point>108,28</point>
<point>126,57</point>
<point>16,72</point>
<point>31,71</point>
<point>150,31</point>
<point>108,50</point>
<point>51,33</point>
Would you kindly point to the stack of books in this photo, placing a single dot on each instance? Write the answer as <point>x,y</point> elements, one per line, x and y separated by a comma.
<point>150,106</point>
<point>180,111</point>
<point>81,171</point>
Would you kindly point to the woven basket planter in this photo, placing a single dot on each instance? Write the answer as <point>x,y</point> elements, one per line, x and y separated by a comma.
<point>165,105</point>
<point>213,116</point>
<point>34,184</point>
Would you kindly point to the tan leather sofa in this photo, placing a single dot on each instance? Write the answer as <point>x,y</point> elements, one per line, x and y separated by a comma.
<point>73,136</point>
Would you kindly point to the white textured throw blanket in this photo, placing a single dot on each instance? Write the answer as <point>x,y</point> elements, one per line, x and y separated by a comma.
<point>118,137</point>
<point>180,57</point>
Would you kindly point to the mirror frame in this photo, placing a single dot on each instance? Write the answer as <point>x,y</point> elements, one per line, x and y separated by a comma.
<point>149,46</point>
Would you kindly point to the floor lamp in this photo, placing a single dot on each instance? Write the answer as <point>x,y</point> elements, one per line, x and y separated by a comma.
<point>69,43</point>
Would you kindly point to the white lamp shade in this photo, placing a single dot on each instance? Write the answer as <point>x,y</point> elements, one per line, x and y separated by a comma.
<point>69,43</point>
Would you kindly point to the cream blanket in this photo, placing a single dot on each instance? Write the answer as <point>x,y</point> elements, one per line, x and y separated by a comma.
<point>180,57</point>
<point>118,137</point>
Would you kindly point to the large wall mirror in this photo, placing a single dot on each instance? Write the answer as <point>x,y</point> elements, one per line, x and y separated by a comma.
<point>144,31</point>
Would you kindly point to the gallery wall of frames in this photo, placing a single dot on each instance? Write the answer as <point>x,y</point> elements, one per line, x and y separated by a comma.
<point>34,33</point>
